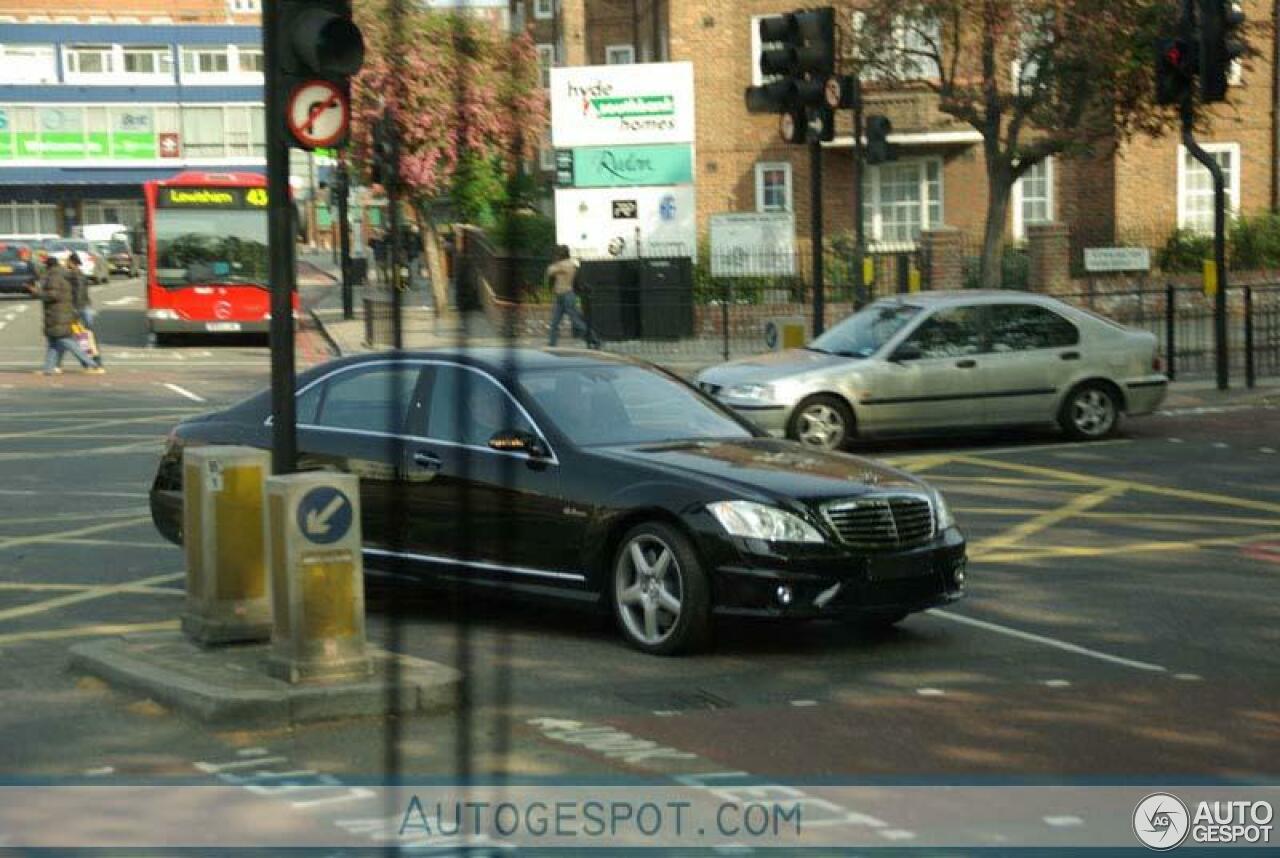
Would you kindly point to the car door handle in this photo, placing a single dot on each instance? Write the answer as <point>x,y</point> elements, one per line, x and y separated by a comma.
<point>1070,355</point>
<point>430,461</point>
<point>966,364</point>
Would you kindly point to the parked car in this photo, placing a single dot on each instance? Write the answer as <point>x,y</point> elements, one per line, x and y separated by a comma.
<point>17,267</point>
<point>602,480</point>
<point>120,259</point>
<point>936,361</point>
<point>92,261</point>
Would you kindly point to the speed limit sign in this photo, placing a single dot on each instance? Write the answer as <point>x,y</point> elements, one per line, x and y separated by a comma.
<point>318,114</point>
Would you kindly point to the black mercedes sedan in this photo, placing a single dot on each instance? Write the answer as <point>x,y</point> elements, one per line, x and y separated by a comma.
<point>601,479</point>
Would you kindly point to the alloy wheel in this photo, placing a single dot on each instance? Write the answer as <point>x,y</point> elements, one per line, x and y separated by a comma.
<point>820,425</point>
<point>649,587</point>
<point>1093,412</point>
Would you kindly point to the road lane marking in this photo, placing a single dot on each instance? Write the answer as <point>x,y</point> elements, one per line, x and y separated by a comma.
<point>64,534</point>
<point>182,391</point>
<point>41,587</point>
<point>1057,683</point>
<point>97,424</point>
<point>1101,482</point>
<point>121,302</point>
<point>1065,646</point>
<point>1046,552</point>
<point>87,596</point>
<point>90,631</point>
<point>1026,529</point>
<point>930,692</point>
<point>1063,821</point>
<point>87,415</point>
<point>62,494</point>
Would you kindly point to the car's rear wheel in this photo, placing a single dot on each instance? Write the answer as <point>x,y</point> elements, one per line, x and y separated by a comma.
<point>823,421</point>
<point>1090,412</point>
<point>660,594</point>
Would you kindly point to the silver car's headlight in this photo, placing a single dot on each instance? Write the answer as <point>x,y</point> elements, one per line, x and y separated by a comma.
<point>758,521</point>
<point>750,392</point>
<point>941,512</point>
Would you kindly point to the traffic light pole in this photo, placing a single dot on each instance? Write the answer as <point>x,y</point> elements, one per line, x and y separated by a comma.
<point>280,239</point>
<point>344,240</point>
<point>815,233</point>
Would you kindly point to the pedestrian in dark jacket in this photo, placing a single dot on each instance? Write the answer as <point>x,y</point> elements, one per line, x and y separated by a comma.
<point>59,313</point>
<point>80,297</point>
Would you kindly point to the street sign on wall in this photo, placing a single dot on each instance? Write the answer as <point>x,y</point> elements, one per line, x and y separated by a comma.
<point>622,105</point>
<point>1104,259</point>
<point>626,222</point>
<point>751,244</point>
<point>625,166</point>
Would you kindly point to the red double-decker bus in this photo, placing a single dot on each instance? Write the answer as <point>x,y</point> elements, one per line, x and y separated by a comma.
<point>207,254</point>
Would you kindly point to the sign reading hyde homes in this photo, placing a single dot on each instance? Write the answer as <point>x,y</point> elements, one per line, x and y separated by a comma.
<point>624,105</point>
<point>625,166</point>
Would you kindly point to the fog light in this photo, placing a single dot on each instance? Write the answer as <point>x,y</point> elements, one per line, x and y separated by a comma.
<point>959,576</point>
<point>784,595</point>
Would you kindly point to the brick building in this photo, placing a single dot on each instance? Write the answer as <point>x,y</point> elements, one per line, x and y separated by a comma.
<point>1139,193</point>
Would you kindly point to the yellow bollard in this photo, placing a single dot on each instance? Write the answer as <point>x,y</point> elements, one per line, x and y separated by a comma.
<point>317,578</point>
<point>225,542</point>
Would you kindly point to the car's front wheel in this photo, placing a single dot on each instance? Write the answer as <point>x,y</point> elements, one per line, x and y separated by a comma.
<point>660,594</point>
<point>822,421</point>
<point>1090,412</point>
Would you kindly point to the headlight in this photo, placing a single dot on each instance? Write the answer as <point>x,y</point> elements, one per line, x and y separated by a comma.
<point>757,521</point>
<point>754,392</point>
<point>941,512</point>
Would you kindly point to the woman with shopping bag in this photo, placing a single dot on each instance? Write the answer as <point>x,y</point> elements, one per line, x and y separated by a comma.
<point>84,330</point>
<point>55,293</point>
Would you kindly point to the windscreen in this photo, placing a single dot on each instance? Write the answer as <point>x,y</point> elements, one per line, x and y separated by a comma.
<point>197,246</point>
<point>866,332</point>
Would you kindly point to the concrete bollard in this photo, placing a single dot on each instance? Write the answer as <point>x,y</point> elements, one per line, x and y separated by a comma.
<point>225,542</point>
<point>317,578</point>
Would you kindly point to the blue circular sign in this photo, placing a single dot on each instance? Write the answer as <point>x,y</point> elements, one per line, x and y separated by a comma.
<point>324,516</point>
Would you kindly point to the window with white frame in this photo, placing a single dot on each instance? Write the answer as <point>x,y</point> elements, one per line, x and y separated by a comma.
<point>127,212</point>
<point>221,63</point>
<point>619,55</point>
<point>28,219</point>
<point>1195,185</point>
<point>910,38</point>
<point>205,61</point>
<point>546,61</point>
<point>241,7</point>
<point>773,186</point>
<point>901,199</point>
<point>757,48</point>
<point>1033,198</point>
<point>546,154</point>
<point>89,60</point>
<point>251,59</point>
<point>27,64</point>
<point>544,9</point>
<point>146,60</point>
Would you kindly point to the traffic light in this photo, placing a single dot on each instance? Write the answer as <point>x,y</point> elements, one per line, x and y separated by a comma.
<point>806,90</point>
<point>1175,69</point>
<point>384,157</point>
<point>1220,46</point>
<point>320,45</point>
<point>879,149</point>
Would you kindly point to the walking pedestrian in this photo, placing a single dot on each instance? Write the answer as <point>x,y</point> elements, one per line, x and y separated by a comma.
<point>55,294</point>
<point>562,274</point>
<point>80,299</point>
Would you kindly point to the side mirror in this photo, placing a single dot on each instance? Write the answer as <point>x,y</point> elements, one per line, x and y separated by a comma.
<point>514,441</point>
<point>906,352</point>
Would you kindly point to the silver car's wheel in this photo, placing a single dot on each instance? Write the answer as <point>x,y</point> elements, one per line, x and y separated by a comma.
<point>1090,412</point>
<point>659,591</point>
<point>823,422</point>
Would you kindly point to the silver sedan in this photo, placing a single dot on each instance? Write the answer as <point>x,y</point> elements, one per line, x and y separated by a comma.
<point>936,361</point>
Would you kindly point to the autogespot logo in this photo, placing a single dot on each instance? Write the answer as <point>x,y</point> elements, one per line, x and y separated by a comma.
<point>1161,821</point>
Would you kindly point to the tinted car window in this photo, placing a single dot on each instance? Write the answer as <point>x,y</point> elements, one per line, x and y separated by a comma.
<point>625,405</point>
<point>14,253</point>
<point>1022,327</point>
<point>951,332</point>
<point>375,400</point>
<point>465,407</point>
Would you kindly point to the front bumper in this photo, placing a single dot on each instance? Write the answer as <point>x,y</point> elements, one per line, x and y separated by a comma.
<point>187,326</point>
<point>769,418</point>
<point>841,582</point>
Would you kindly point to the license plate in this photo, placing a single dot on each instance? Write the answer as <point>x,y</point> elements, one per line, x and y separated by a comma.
<point>6,269</point>
<point>896,568</point>
<point>222,327</point>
